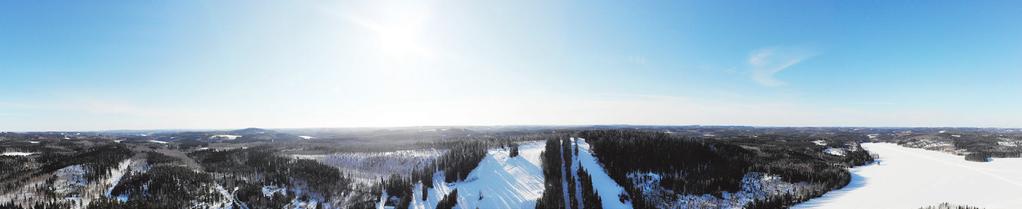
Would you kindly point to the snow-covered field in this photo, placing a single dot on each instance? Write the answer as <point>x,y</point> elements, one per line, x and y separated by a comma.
<point>912,178</point>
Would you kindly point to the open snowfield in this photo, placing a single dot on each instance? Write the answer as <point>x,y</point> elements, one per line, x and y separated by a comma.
<point>912,178</point>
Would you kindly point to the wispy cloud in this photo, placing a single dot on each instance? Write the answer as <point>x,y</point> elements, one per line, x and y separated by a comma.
<point>767,62</point>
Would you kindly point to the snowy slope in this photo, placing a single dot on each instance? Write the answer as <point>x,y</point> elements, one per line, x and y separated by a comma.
<point>602,183</point>
<point>834,151</point>
<point>912,178</point>
<point>503,181</point>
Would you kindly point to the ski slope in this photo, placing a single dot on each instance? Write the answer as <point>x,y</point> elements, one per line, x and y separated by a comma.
<point>607,188</point>
<point>514,182</point>
<point>913,178</point>
<point>502,180</point>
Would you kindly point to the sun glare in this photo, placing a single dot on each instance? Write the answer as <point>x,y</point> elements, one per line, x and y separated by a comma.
<point>398,31</point>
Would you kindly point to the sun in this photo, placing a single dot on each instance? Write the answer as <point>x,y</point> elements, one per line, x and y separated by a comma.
<point>397,31</point>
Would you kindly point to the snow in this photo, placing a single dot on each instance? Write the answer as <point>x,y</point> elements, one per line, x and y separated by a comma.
<point>268,191</point>
<point>564,176</point>
<point>820,142</point>
<point>383,201</point>
<point>504,182</point>
<point>755,186</point>
<point>306,137</point>
<point>158,141</point>
<point>115,176</point>
<point>912,178</point>
<point>16,154</point>
<point>607,188</point>
<point>33,142</point>
<point>225,136</point>
<point>370,166</point>
<point>69,180</point>
<point>1008,142</point>
<point>834,151</point>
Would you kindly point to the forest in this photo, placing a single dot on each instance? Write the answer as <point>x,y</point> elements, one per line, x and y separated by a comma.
<point>656,166</point>
<point>706,166</point>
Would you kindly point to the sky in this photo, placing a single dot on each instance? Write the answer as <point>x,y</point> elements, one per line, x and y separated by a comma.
<point>103,65</point>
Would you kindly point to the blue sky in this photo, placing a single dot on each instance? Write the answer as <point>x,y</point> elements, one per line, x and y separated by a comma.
<point>98,65</point>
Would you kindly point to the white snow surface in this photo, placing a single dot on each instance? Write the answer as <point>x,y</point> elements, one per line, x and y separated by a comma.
<point>755,186</point>
<point>367,166</point>
<point>912,178</point>
<point>158,141</point>
<point>607,188</point>
<point>504,182</point>
<point>820,142</point>
<point>834,151</point>
<point>115,176</point>
<point>268,191</point>
<point>225,136</point>
<point>17,153</point>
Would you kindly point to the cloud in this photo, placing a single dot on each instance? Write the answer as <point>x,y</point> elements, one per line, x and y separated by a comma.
<point>767,62</point>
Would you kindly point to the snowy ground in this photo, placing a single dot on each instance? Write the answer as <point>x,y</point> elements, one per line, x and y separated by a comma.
<point>16,154</point>
<point>834,151</point>
<point>607,188</point>
<point>503,181</point>
<point>912,178</point>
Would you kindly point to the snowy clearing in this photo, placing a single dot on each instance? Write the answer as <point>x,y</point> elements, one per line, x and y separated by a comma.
<point>834,151</point>
<point>911,178</point>
<point>503,181</point>
<point>225,137</point>
<point>17,154</point>
<point>367,166</point>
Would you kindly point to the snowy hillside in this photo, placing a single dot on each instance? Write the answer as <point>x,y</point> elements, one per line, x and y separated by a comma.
<point>602,183</point>
<point>500,181</point>
<point>912,178</point>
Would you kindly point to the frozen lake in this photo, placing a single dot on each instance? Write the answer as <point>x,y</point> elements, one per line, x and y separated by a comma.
<point>913,178</point>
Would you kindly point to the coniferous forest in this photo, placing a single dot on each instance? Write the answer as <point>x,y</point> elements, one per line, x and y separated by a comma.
<point>655,167</point>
